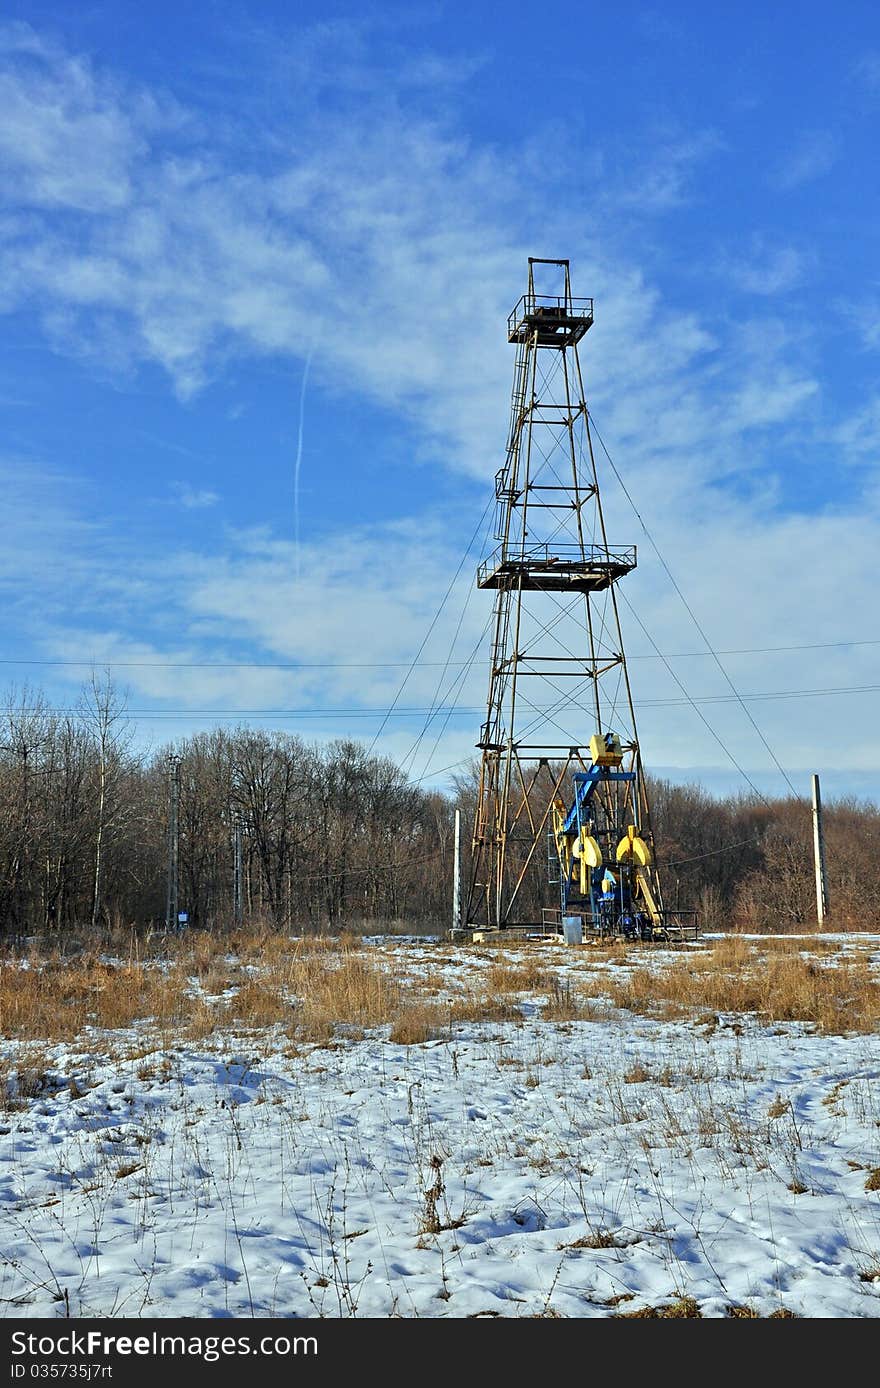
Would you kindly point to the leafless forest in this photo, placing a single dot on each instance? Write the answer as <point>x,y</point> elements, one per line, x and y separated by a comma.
<point>334,837</point>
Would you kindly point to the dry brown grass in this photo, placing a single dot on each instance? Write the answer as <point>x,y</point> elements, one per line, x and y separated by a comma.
<point>597,1239</point>
<point>317,986</point>
<point>683,1308</point>
<point>258,1003</point>
<point>482,1008</point>
<point>25,1079</point>
<point>198,950</point>
<point>417,1023</point>
<point>563,1005</point>
<point>796,945</point>
<point>199,953</point>
<point>433,982</point>
<point>637,1074</point>
<point>310,988</point>
<point>349,988</point>
<point>522,977</point>
<point>310,992</point>
<point>56,999</point>
<point>748,1313</point>
<point>737,977</point>
<point>419,1020</point>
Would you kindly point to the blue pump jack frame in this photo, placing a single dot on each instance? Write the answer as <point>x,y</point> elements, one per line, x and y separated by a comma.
<point>585,784</point>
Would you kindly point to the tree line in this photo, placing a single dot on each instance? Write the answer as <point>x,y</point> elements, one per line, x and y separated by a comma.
<point>334,836</point>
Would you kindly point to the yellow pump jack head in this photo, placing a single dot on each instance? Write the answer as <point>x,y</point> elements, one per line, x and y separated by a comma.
<point>633,849</point>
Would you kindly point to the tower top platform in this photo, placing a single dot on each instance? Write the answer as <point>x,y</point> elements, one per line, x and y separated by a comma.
<point>557,319</point>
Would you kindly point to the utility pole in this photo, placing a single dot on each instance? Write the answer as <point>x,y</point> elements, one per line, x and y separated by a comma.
<point>236,869</point>
<point>819,856</point>
<point>173,841</point>
<point>456,874</point>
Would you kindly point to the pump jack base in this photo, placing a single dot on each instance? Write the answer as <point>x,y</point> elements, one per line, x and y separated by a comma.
<point>511,934</point>
<point>670,933</point>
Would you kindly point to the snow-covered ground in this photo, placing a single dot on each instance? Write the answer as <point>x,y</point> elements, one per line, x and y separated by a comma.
<point>583,1168</point>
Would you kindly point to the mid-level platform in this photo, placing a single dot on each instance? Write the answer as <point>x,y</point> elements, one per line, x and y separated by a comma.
<point>557,568</point>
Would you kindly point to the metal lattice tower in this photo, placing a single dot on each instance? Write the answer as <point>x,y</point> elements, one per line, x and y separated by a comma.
<point>558,675</point>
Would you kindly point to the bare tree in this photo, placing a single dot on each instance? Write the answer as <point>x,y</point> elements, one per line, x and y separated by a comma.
<point>26,730</point>
<point>103,709</point>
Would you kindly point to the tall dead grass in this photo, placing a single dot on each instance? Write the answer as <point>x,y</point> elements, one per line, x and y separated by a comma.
<point>418,1020</point>
<point>316,987</point>
<point>737,977</point>
<point>199,951</point>
<point>526,976</point>
<point>310,988</point>
<point>307,991</point>
<point>57,999</point>
<point>348,989</point>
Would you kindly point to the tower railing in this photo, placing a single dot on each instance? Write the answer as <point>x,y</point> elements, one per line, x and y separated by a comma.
<point>541,563</point>
<point>558,319</point>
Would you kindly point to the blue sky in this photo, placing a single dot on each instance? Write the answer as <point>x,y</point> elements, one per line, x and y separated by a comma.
<point>202,203</point>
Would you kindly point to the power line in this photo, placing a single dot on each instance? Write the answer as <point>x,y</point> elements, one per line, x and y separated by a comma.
<point>397,664</point>
<point>714,852</point>
<point>453,708</point>
<point>452,692</point>
<point>721,743</point>
<point>441,695</point>
<point>434,620</point>
<point>438,771</point>
<point>709,647</point>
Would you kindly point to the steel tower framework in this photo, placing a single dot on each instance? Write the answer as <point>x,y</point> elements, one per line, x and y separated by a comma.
<point>558,674</point>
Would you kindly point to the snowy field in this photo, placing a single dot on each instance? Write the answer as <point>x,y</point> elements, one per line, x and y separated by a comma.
<point>615,1164</point>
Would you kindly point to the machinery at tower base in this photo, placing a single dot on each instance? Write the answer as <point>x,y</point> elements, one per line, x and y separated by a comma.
<point>562,841</point>
<point>616,894</point>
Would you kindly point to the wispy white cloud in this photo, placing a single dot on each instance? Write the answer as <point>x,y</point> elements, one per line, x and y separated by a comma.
<point>858,436</point>
<point>863,315</point>
<point>358,613</point>
<point>665,180</point>
<point>813,155</point>
<point>764,269</point>
<point>392,247</point>
<point>194,498</point>
<point>866,70</point>
<point>69,138</point>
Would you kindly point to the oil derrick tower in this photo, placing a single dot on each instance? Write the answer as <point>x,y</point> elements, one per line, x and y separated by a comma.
<point>561,780</point>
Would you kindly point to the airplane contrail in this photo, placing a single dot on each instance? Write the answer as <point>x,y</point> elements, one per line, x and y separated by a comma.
<point>298,464</point>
